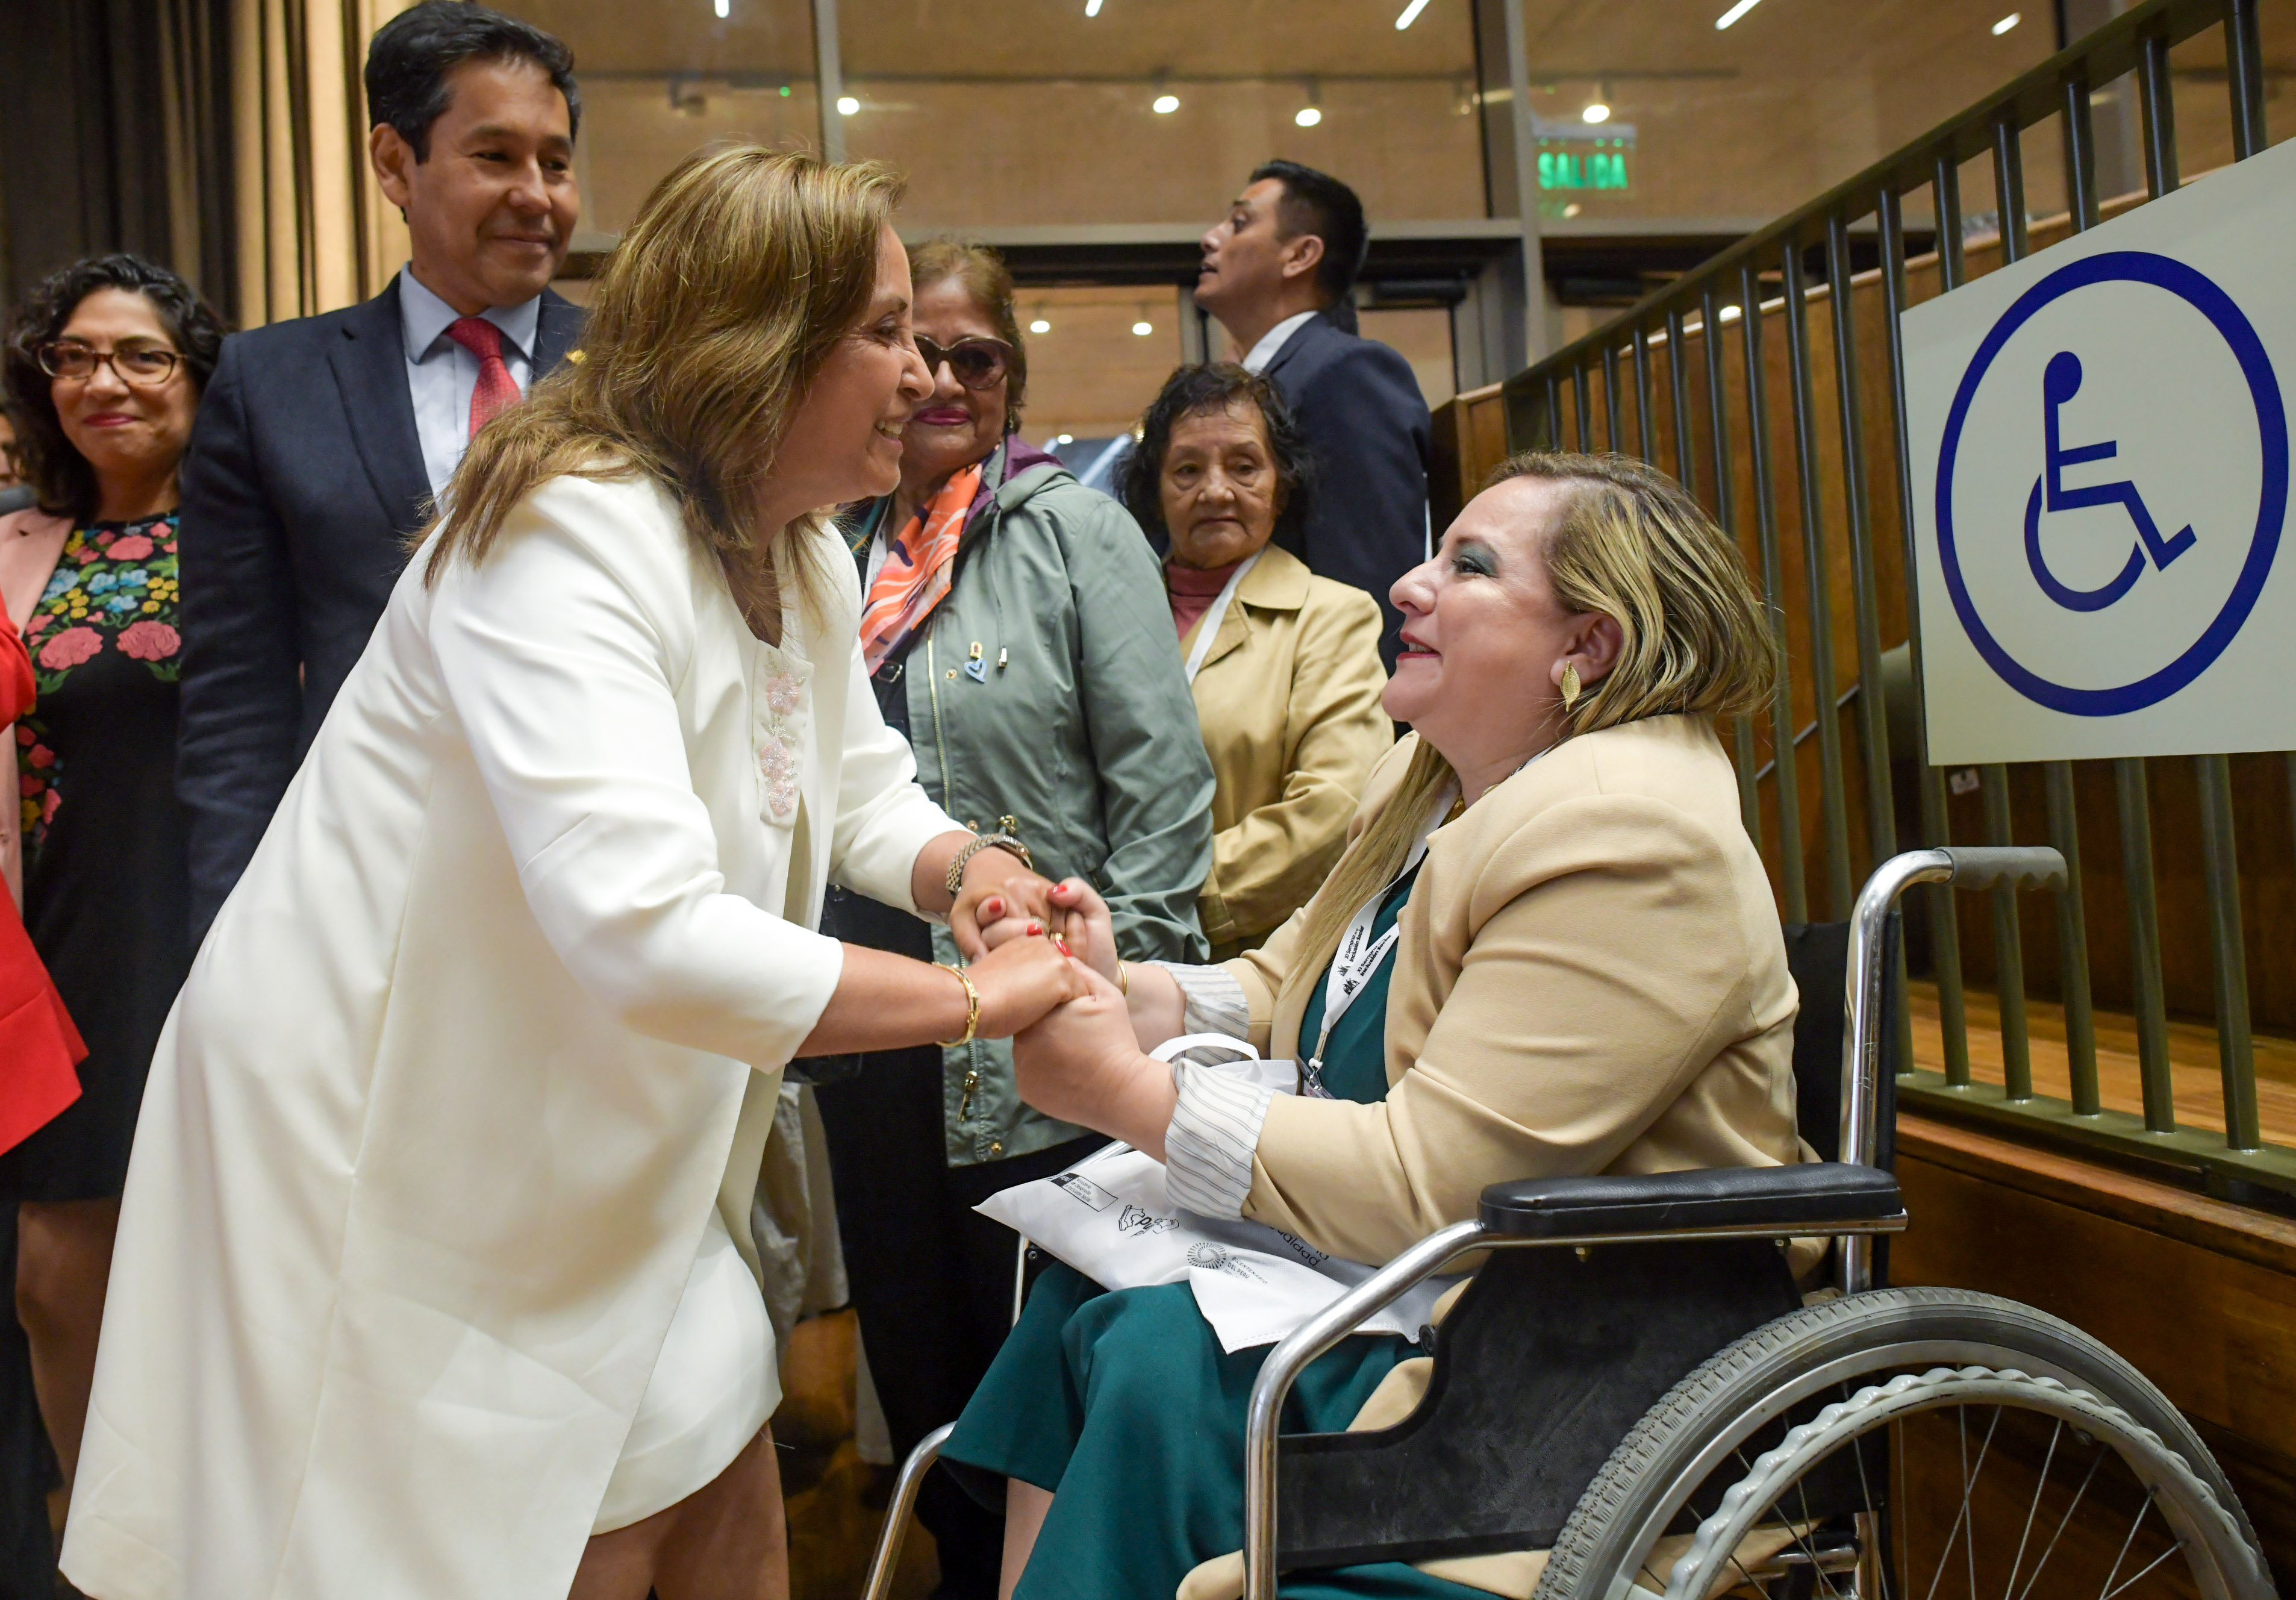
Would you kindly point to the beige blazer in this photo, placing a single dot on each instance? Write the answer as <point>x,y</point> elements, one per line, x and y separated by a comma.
<point>30,543</point>
<point>1590,979</point>
<point>1287,700</point>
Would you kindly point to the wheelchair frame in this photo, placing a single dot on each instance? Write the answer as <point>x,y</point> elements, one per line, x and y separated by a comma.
<point>1747,1203</point>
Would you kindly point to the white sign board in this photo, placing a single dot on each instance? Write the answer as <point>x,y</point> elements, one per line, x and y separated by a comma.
<point>2100,442</point>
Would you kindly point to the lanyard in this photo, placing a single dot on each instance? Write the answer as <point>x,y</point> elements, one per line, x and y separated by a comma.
<point>1208,626</point>
<point>1359,953</point>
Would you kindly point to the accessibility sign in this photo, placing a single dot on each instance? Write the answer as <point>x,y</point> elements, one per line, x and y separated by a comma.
<point>2100,442</point>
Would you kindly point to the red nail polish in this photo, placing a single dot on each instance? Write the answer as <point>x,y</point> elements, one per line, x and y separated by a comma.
<point>1035,929</point>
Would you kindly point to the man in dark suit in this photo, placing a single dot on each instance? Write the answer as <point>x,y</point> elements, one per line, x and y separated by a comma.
<point>322,443</point>
<point>1276,271</point>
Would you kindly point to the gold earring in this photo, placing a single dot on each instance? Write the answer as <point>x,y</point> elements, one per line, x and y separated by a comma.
<point>1570,685</point>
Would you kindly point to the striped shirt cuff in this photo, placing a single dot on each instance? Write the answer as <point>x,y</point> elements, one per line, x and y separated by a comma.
<point>1212,1001</point>
<point>1214,1130</point>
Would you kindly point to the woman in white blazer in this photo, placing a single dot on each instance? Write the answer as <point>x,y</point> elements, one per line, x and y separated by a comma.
<point>434,1274</point>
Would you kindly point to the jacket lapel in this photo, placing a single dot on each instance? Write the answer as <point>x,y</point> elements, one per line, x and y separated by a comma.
<point>1305,334</point>
<point>558,330</point>
<point>370,364</point>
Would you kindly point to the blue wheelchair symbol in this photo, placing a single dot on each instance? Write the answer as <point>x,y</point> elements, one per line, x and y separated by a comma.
<point>2061,380</point>
<point>2059,383</point>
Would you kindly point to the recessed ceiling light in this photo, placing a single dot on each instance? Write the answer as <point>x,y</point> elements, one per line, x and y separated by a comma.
<point>1729,314</point>
<point>725,8</point>
<point>847,105</point>
<point>1596,112</point>
<point>1067,438</point>
<point>1734,13</point>
<point>1091,8</point>
<point>1164,105</point>
<point>2007,22</point>
<point>1040,326</point>
<point>1573,209</point>
<point>1143,328</point>
<point>1410,14</point>
<point>1308,116</point>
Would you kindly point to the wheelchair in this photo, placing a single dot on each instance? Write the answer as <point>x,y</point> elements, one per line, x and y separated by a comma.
<point>1633,1380</point>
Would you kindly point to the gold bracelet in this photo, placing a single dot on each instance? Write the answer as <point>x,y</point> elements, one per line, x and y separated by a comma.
<point>1123,984</point>
<point>972,1006</point>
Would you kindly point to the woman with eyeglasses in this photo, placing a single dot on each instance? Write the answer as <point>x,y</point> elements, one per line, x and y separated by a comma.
<point>103,366</point>
<point>1015,630</point>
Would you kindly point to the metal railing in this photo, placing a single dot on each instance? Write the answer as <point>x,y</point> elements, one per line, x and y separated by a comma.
<point>1691,366</point>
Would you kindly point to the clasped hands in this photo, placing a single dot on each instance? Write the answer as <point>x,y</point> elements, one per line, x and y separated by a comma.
<point>1083,1058</point>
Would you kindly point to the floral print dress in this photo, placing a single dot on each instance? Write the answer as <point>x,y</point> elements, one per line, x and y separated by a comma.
<point>106,887</point>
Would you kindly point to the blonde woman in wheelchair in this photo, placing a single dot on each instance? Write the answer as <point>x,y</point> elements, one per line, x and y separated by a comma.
<point>1549,948</point>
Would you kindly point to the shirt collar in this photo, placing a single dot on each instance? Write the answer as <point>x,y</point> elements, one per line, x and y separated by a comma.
<point>425,318</point>
<point>1271,344</point>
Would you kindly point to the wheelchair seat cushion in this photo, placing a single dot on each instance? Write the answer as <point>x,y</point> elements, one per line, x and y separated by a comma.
<point>1788,1198</point>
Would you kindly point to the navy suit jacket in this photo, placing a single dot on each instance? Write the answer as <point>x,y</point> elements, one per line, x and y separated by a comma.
<point>303,478</point>
<point>1359,407</point>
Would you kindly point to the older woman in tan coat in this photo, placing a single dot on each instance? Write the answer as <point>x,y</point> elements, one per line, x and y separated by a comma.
<point>1284,664</point>
<point>1548,948</point>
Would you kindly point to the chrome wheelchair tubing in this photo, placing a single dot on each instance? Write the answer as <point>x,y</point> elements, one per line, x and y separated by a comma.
<point>1290,1357</point>
<point>2020,866</point>
<point>1861,1041</point>
<point>1345,1315</point>
<point>886,1558</point>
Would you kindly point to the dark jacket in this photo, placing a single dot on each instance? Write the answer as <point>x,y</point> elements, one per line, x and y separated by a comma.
<point>1359,406</point>
<point>1045,696</point>
<point>303,478</point>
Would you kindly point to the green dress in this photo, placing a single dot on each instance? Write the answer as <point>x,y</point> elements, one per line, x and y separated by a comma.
<point>1125,1405</point>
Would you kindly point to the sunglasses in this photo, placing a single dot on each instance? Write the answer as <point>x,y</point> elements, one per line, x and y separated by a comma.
<point>979,362</point>
<point>146,365</point>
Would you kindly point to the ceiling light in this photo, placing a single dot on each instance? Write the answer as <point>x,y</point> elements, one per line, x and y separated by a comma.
<point>1143,328</point>
<point>2007,22</point>
<point>1410,14</point>
<point>1308,116</point>
<point>725,9</point>
<point>1572,210</point>
<point>1595,111</point>
<point>1164,105</point>
<point>1070,438</point>
<point>1040,326</point>
<point>847,105</point>
<point>1729,314</point>
<point>1734,13</point>
<point>1091,8</point>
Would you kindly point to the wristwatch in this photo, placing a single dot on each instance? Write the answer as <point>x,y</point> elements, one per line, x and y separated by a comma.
<point>974,846</point>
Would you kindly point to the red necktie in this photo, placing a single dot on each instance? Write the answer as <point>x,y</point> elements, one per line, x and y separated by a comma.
<point>496,391</point>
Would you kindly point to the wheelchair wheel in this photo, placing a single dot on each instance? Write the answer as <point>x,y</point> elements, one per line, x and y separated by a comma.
<point>1911,1444</point>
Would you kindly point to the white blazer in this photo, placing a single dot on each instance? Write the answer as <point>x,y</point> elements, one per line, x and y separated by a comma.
<point>494,1018</point>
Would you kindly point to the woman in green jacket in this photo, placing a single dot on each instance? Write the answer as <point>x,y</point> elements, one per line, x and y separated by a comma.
<point>1016,629</point>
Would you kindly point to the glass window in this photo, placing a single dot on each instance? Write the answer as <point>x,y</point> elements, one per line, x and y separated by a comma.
<point>1039,113</point>
<point>662,79</point>
<point>1649,109</point>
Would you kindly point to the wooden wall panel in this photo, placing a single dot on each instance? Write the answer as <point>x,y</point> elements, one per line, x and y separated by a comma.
<point>2199,1294</point>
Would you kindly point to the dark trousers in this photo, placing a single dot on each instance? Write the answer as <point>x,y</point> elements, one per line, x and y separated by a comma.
<point>931,1279</point>
<point>27,1467</point>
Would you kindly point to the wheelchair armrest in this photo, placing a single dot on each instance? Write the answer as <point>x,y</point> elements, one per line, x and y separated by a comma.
<point>1783,1197</point>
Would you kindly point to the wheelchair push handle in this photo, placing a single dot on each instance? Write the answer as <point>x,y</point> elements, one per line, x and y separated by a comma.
<point>2019,866</point>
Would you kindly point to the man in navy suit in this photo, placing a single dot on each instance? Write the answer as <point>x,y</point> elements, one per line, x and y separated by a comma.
<point>322,443</point>
<point>1276,271</point>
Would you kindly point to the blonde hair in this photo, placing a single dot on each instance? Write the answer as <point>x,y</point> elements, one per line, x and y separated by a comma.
<point>743,269</point>
<point>1630,542</point>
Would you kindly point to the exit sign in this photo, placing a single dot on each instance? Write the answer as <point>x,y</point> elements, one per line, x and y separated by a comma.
<point>1582,169</point>
<point>1580,156</point>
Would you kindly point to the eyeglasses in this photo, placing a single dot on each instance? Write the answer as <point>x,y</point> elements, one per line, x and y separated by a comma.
<point>144,365</point>
<point>979,361</point>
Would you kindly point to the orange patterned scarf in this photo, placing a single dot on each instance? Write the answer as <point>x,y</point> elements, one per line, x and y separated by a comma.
<point>917,570</point>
